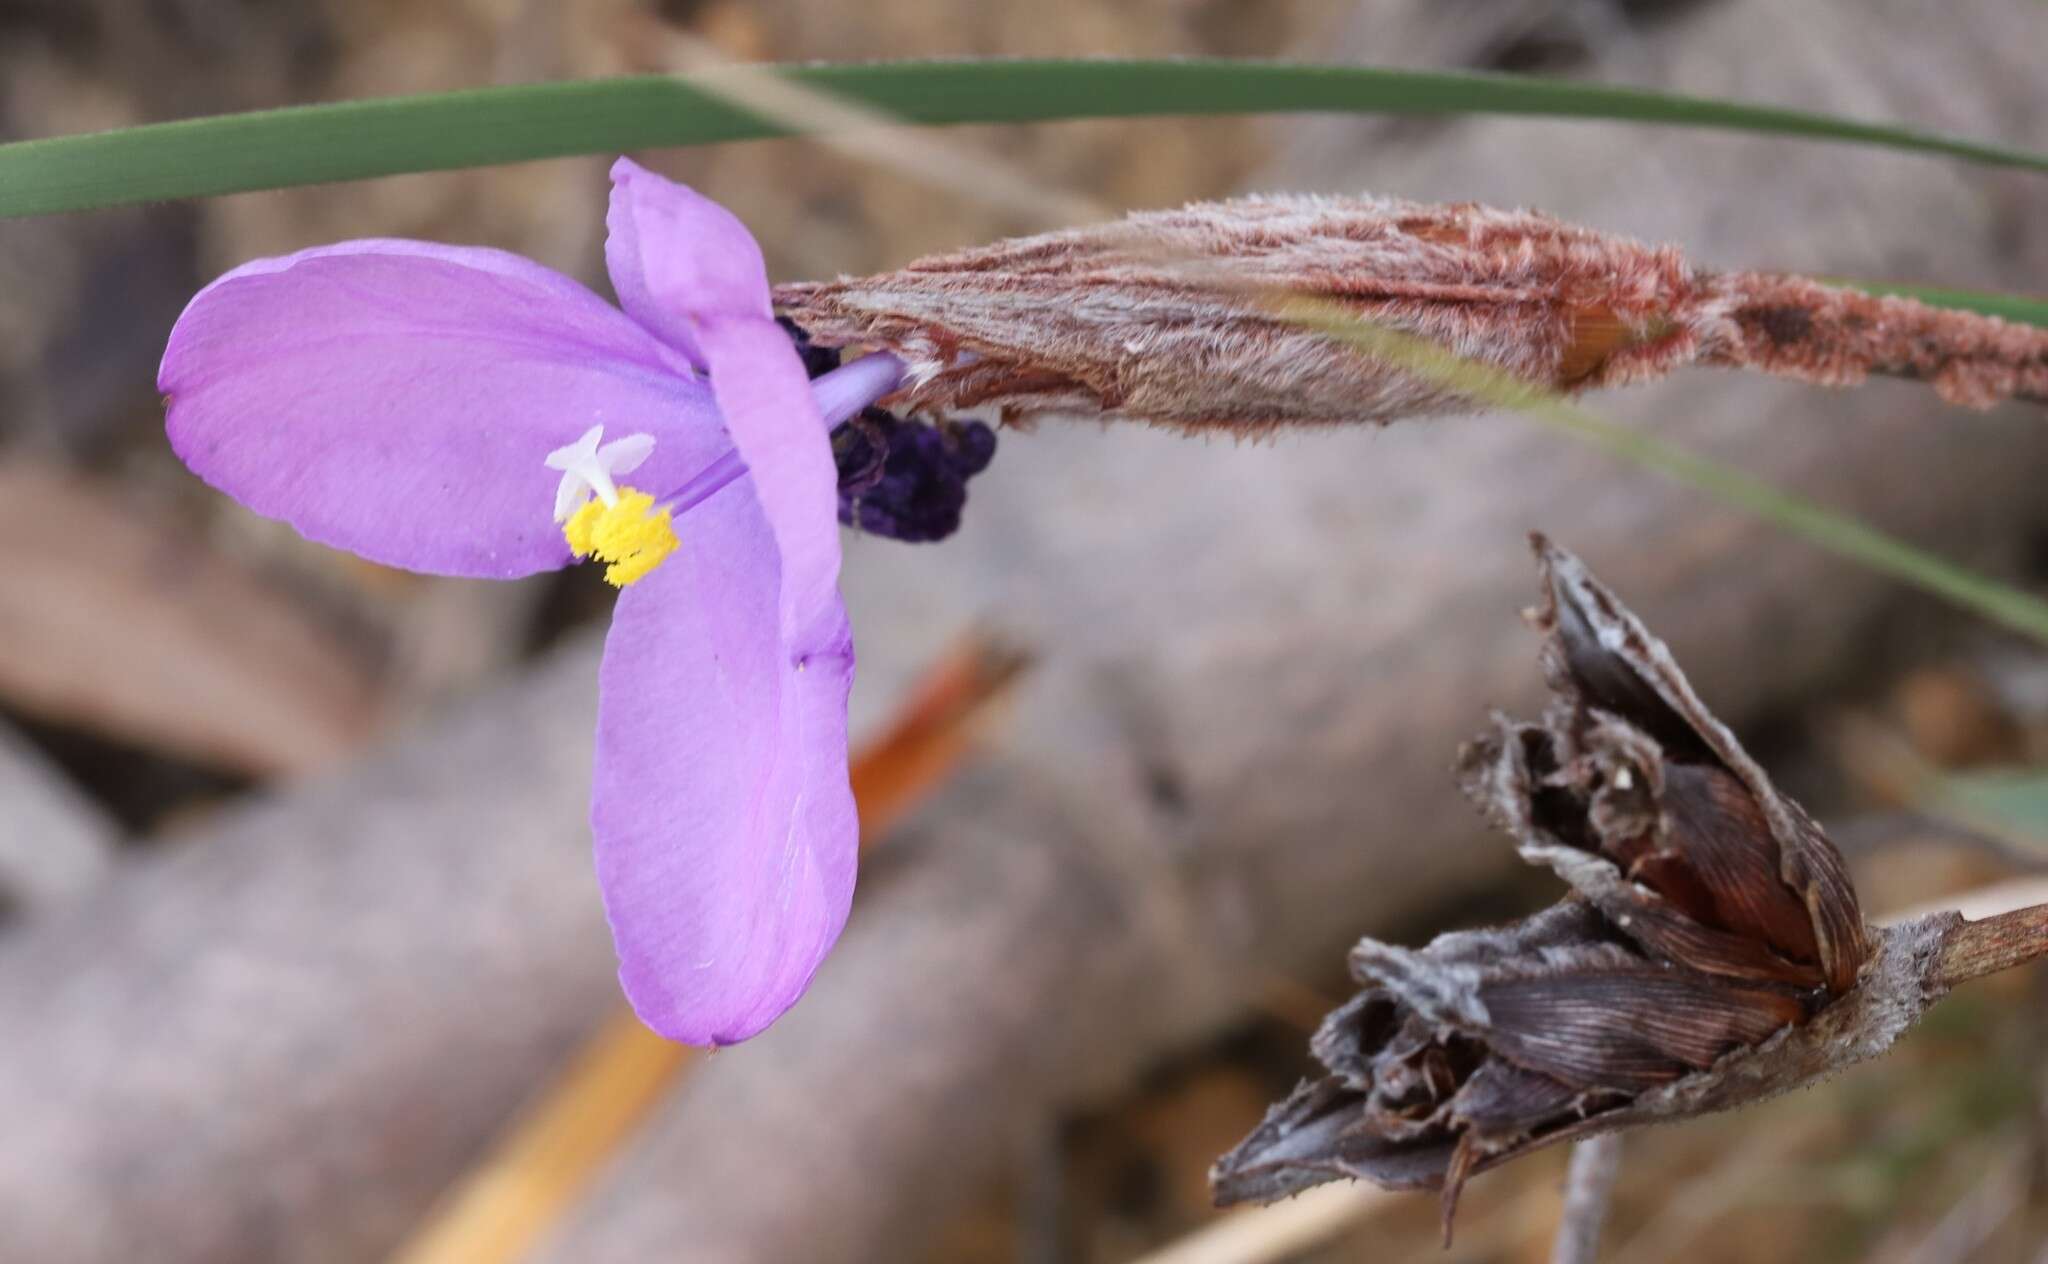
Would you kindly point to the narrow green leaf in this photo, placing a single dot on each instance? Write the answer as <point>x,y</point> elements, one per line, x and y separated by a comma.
<point>1842,534</point>
<point>360,139</point>
<point>2014,307</point>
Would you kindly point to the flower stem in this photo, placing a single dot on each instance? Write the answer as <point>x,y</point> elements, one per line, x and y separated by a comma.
<point>1990,944</point>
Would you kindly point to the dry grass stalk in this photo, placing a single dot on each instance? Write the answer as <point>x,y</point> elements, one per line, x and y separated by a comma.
<point>1165,317</point>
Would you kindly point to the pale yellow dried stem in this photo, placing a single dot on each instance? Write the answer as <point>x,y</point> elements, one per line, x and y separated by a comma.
<point>504,1205</point>
<point>877,137</point>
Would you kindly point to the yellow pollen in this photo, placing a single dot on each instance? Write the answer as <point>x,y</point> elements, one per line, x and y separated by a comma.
<point>630,535</point>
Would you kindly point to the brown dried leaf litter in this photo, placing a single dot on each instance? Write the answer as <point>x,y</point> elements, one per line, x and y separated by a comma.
<point>1711,951</point>
<point>1168,317</point>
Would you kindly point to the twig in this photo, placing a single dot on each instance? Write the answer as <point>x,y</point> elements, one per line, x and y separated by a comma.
<point>1588,1188</point>
<point>1991,944</point>
<point>2008,927</point>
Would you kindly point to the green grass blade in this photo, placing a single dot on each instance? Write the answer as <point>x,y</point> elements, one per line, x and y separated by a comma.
<point>2014,307</point>
<point>1842,534</point>
<point>360,139</point>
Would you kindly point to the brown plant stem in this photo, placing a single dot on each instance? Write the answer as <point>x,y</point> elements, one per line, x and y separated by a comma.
<point>1795,327</point>
<point>1988,945</point>
<point>1588,1188</point>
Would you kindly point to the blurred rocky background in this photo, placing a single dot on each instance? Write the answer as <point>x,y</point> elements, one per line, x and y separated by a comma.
<point>295,911</point>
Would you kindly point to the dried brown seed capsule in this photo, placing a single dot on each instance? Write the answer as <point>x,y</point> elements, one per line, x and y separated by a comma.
<point>1636,795</point>
<point>1710,921</point>
<point>1167,317</point>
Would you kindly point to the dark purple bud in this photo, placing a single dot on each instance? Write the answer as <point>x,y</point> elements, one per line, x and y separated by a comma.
<point>860,448</point>
<point>904,479</point>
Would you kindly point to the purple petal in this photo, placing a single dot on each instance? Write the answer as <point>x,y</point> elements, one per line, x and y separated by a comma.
<point>773,422</point>
<point>725,828</point>
<point>674,254</point>
<point>397,399</point>
<point>687,269</point>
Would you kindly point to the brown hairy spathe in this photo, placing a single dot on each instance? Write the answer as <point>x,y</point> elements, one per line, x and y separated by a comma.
<point>1168,317</point>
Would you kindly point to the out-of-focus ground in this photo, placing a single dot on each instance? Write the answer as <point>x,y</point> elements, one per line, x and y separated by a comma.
<point>163,652</point>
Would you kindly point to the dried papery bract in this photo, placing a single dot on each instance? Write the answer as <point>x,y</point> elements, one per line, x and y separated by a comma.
<point>1646,804</point>
<point>1168,317</point>
<point>1711,952</point>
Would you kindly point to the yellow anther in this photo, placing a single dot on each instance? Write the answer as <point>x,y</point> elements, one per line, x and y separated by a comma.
<point>631,535</point>
<point>577,531</point>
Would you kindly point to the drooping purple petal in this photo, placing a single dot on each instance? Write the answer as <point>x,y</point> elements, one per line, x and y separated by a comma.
<point>397,399</point>
<point>674,254</point>
<point>725,828</point>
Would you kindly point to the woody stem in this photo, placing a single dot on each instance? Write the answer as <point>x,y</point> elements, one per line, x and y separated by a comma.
<point>1991,944</point>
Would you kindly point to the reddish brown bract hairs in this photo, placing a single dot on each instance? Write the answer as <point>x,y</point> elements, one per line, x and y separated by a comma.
<point>1167,317</point>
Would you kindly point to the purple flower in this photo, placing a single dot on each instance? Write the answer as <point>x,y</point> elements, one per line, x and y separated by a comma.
<point>464,411</point>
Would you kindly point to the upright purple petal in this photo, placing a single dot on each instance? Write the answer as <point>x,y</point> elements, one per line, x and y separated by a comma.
<point>397,399</point>
<point>674,254</point>
<point>686,268</point>
<point>725,827</point>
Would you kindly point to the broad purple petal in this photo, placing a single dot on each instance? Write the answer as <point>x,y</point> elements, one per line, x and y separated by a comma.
<point>725,827</point>
<point>674,254</point>
<point>397,398</point>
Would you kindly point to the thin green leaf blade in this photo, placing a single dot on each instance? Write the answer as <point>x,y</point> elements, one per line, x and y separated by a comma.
<point>2019,308</point>
<point>1843,534</point>
<point>362,139</point>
